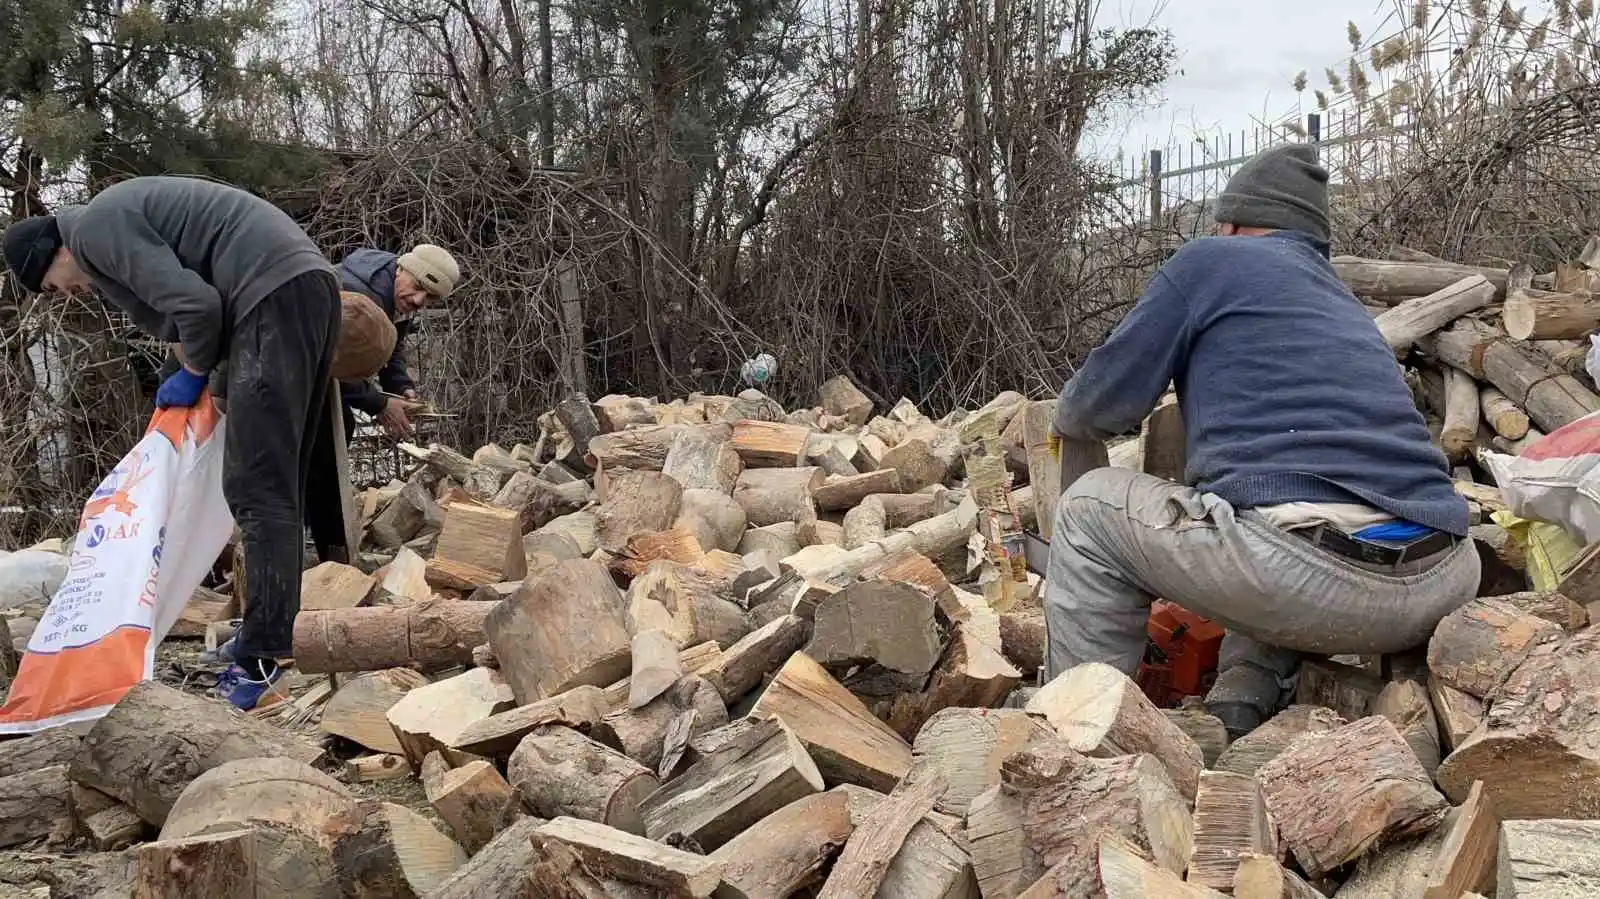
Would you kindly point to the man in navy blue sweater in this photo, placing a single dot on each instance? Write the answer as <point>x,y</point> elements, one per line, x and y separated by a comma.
<point>1317,516</point>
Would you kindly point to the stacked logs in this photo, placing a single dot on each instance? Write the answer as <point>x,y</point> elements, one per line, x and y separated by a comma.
<point>716,648</point>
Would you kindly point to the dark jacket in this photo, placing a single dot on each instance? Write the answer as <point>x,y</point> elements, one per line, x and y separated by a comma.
<point>1287,389</point>
<point>371,272</point>
<point>186,258</point>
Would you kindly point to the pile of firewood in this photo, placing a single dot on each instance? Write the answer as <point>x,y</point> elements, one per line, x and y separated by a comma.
<point>717,648</point>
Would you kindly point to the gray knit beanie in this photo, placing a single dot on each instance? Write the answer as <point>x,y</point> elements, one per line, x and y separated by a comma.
<point>1283,188</point>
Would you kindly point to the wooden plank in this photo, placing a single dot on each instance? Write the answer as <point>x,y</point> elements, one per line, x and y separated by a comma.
<point>341,456</point>
<point>1466,859</point>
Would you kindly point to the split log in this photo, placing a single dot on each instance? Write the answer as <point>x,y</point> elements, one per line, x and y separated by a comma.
<point>358,710</point>
<point>431,635</point>
<point>1502,415</point>
<point>1458,713</point>
<point>730,789</point>
<point>781,540</point>
<point>1022,635</point>
<point>704,460</point>
<point>695,660</point>
<point>1416,318</point>
<point>1551,398</point>
<point>405,515</point>
<point>743,664</point>
<point>220,863</point>
<point>882,512</point>
<point>562,631</point>
<point>616,412</point>
<point>536,501</point>
<point>1044,470</point>
<point>637,449</point>
<point>1247,754</point>
<point>1466,859</point>
<point>848,743</point>
<point>1261,877</point>
<point>1101,712</point>
<point>1335,795</point>
<point>576,419</point>
<point>1405,703</point>
<point>1546,315</point>
<point>655,667</point>
<point>498,735</point>
<point>1581,581</point>
<point>35,804</point>
<point>869,453</point>
<point>473,799</point>
<point>641,734</point>
<point>107,824</point>
<point>332,585</point>
<point>689,604</point>
<point>889,625</point>
<point>716,519</point>
<point>1400,870</point>
<point>1230,821</point>
<point>54,746</point>
<point>916,465</point>
<point>841,494</point>
<point>291,807</point>
<point>680,544</point>
<point>1537,738</point>
<point>500,869</point>
<point>494,456</point>
<point>967,746</point>
<point>431,717</point>
<point>933,861</point>
<point>786,851</point>
<point>405,579</point>
<point>1461,414</point>
<point>1477,645</point>
<point>479,482</point>
<point>1347,690</point>
<point>1204,728</point>
<point>1051,804</point>
<point>558,771</point>
<point>773,495</point>
<point>1392,281</point>
<point>840,396</point>
<point>383,849</point>
<point>873,846</point>
<point>992,418</point>
<point>156,740</point>
<point>608,852</point>
<point>636,502</point>
<point>971,674</point>
<point>770,444</point>
<point>1126,874</point>
<point>1548,860</point>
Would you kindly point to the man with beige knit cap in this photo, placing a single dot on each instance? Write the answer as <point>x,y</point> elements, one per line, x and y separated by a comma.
<point>403,286</point>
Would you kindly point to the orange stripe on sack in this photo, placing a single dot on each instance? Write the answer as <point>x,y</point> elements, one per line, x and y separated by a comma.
<point>173,420</point>
<point>83,677</point>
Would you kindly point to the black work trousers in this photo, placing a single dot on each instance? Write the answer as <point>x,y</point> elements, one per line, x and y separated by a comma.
<point>279,361</point>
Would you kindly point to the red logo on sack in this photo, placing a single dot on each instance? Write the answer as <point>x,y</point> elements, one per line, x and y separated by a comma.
<point>118,497</point>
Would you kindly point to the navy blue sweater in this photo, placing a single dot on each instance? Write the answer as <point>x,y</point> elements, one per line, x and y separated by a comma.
<point>371,272</point>
<point>1287,389</point>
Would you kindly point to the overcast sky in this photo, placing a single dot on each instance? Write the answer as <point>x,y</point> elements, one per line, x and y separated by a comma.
<point>1238,58</point>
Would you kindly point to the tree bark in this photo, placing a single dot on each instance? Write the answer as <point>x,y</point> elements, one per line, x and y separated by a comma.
<point>558,771</point>
<point>431,635</point>
<point>562,631</point>
<point>1416,318</point>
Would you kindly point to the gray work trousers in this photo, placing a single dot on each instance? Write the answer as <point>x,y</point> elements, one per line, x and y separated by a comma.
<point>1123,538</point>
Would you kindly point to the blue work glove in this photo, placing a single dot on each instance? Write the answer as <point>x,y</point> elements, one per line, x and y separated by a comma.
<point>182,388</point>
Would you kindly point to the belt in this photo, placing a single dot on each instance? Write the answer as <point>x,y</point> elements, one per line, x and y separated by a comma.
<point>1339,543</point>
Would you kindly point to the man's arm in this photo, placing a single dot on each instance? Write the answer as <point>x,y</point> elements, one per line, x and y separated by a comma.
<point>363,395</point>
<point>1122,380</point>
<point>120,244</point>
<point>393,376</point>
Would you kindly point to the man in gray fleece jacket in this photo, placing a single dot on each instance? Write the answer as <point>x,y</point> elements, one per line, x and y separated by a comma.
<point>233,281</point>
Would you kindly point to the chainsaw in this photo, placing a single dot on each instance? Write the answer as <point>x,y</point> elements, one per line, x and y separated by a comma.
<point>1181,656</point>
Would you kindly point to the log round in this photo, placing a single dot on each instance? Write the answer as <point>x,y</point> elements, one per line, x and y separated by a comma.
<point>558,771</point>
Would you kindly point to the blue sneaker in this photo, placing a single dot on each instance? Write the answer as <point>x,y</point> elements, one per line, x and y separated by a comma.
<point>247,690</point>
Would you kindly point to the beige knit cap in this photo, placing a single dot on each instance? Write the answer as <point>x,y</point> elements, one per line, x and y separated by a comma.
<point>433,267</point>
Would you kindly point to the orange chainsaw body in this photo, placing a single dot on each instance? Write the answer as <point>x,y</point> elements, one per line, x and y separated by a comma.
<point>1181,658</point>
